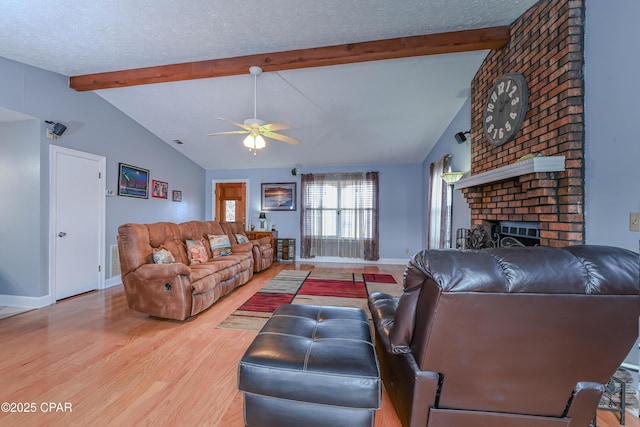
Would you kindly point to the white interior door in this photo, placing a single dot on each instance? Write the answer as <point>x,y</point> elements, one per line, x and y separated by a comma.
<point>77,222</point>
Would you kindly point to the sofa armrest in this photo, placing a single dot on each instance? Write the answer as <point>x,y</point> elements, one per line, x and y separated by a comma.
<point>161,290</point>
<point>263,241</point>
<point>584,402</point>
<point>241,247</point>
<point>161,271</point>
<point>383,310</point>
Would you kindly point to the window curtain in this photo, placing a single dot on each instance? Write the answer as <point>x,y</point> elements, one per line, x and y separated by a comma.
<point>437,210</point>
<point>307,184</point>
<point>339,215</point>
<point>371,243</point>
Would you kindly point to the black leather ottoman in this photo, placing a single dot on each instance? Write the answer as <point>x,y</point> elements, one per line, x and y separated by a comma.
<point>311,366</point>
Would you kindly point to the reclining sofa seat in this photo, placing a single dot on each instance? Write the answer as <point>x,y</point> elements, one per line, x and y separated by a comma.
<point>178,290</point>
<point>261,248</point>
<point>512,337</point>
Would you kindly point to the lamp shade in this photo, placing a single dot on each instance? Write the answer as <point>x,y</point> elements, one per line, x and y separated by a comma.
<point>263,215</point>
<point>452,177</point>
<point>254,141</point>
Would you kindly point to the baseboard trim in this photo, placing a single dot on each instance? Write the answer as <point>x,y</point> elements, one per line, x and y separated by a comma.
<point>353,260</point>
<point>113,281</point>
<point>25,302</point>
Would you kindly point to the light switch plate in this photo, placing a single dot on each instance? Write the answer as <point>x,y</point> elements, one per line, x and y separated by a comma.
<point>634,221</point>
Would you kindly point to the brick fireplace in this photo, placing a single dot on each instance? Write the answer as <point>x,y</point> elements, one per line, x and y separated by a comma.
<point>546,47</point>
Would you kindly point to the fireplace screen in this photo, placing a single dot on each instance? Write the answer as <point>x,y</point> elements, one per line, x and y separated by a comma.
<point>499,234</point>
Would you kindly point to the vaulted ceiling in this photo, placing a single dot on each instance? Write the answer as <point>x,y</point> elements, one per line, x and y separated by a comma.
<point>388,110</point>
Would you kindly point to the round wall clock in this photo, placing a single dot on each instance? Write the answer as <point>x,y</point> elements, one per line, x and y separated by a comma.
<point>505,108</point>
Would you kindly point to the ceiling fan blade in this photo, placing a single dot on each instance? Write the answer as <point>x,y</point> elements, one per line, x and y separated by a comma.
<point>231,132</point>
<point>283,138</point>
<point>275,126</point>
<point>234,123</point>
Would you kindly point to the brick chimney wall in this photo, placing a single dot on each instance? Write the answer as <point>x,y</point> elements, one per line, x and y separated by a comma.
<point>546,47</point>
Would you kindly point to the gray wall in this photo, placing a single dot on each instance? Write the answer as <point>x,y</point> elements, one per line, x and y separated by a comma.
<point>20,248</point>
<point>460,162</point>
<point>611,115</point>
<point>94,126</point>
<point>612,151</point>
<point>400,203</point>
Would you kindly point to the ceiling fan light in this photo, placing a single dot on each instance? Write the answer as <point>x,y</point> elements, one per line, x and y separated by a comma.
<point>248,141</point>
<point>254,142</point>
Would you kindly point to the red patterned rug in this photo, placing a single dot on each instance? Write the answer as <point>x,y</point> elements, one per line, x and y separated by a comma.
<point>333,288</point>
<point>305,287</point>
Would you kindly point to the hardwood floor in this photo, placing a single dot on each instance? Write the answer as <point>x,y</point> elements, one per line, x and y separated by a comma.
<point>90,360</point>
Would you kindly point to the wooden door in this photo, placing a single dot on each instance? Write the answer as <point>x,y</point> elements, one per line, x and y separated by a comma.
<point>231,202</point>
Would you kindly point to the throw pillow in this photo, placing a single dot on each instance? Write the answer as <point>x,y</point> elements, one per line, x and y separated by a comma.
<point>220,245</point>
<point>241,238</point>
<point>163,256</point>
<point>196,251</point>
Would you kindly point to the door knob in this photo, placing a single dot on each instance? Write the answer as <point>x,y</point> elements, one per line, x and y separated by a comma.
<point>62,234</point>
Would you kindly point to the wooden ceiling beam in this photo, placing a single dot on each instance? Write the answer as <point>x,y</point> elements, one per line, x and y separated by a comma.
<point>430,44</point>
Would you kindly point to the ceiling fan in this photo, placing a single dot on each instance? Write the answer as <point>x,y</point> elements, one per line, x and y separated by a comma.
<point>257,129</point>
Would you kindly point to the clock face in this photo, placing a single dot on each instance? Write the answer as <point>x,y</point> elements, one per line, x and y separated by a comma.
<point>505,109</point>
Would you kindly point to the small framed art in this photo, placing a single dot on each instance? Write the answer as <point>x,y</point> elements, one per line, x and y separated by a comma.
<point>176,196</point>
<point>279,196</point>
<point>160,189</point>
<point>133,181</point>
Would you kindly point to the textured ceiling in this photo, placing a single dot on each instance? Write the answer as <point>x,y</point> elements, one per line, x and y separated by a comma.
<point>378,112</point>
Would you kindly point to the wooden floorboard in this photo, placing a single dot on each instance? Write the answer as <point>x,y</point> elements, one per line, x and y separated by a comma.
<point>91,361</point>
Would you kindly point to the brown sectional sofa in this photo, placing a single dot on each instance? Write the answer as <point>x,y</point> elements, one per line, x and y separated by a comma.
<point>262,251</point>
<point>181,289</point>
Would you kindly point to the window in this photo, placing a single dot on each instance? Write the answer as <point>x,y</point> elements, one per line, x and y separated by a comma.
<point>230,211</point>
<point>439,202</point>
<point>340,215</point>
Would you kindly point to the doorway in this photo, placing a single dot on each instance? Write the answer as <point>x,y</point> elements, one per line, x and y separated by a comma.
<point>77,222</point>
<point>231,200</point>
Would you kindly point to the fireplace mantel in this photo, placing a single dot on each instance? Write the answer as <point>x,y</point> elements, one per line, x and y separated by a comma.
<point>523,167</point>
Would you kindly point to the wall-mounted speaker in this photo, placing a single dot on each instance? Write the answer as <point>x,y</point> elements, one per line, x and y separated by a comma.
<point>460,137</point>
<point>58,128</point>
<point>294,171</point>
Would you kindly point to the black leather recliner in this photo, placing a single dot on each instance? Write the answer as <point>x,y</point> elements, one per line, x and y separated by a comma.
<point>511,337</point>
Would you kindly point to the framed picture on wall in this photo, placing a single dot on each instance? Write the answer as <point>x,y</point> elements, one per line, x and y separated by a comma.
<point>279,196</point>
<point>133,181</point>
<point>176,196</point>
<point>159,189</point>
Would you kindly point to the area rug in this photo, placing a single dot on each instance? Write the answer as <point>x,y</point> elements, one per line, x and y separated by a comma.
<point>309,288</point>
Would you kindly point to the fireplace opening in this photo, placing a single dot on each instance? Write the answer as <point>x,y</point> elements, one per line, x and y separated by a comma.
<point>499,234</point>
<point>518,233</point>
